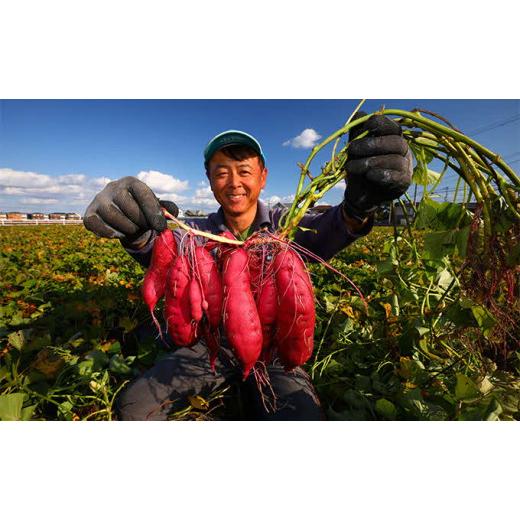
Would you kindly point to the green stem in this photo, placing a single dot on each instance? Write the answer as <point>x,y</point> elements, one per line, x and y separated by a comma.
<point>459,137</point>
<point>474,162</point>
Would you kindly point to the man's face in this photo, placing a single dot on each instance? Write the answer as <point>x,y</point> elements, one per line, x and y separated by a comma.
<point>236,184</point>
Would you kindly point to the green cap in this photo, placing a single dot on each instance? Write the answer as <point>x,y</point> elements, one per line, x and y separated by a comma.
<point>229,138</point>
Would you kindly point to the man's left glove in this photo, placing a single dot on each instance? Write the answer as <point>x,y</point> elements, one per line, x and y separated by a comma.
<point>379,166</point>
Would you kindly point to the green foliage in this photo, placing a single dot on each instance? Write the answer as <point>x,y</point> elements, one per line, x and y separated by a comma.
<point>69,301</point>
<point>66,299</point>
<point>411,355</point>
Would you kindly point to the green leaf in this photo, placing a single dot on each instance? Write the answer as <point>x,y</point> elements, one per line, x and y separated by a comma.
<point>385,408</point>
<point>362,383</point>
<point>11,407</point>
<point>411,369</point>
<point>27,413</point>
<point>422,330</point>
<point>493,411</point>
<point>331,302</point>
<point>461,237</point>
<point>118,365</point>
<point>441,216</point>
<point>114,348</point>
<point>438,244</point>
<point>432,176</point>
<point>85,368</point>
<point>20,338</point>
<point>420,175</point>
<point>465,388</point>
<point>484,318</point>
<point>65,410</point>
<point>99,359</point>
<point>485,386</point>
<point>513,255</point>
<point>127,323</point>
<point>444,279</point>
<point>413,402</point>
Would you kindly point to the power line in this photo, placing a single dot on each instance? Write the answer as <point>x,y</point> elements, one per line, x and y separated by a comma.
<point>496,124</point>
<point>451,174</point>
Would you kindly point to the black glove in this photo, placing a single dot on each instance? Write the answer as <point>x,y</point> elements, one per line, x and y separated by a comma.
<point>379,166</point>
<point>127,209</point>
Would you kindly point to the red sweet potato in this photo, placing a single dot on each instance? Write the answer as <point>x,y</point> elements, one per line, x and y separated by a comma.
<point>241,320</point>
<point>267,305</point>
<point>211,285</point>
<point>264,292</point>
<point>177,310</point>
<point>296,315</point>
<point>154,283</point>
<point>195,300</point>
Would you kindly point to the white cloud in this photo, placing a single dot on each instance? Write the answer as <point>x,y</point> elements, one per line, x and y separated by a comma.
<point>51,192</point>
<point>162,182</point>
<point>101,181</point>
<point>207,203</point>
<point>202,199</point>
<point>11,190</point>
<point>175,197</point>
<point>72,178</point>
<point>274,199</point>
<point>307,139</point>
<point>38,201</point>
<point>341,185</point>
<point>204,192</point>
<point>31,191</point>
<point>20,179</point>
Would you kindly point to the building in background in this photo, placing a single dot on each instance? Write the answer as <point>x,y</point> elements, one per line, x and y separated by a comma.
<point>194,213</point>
<point>57,216</point>
<point>16,215</point>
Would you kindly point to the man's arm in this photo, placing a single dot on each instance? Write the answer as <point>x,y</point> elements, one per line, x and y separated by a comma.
<point>141,251</point>
<point>330,231</point>
<point>354,226</point>
<point>127,209</point>
<point>379,169</point>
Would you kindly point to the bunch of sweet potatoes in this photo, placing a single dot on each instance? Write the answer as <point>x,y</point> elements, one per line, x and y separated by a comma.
<point>259,295</point>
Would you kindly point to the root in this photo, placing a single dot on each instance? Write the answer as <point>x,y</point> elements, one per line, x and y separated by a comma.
<point>264,387</point>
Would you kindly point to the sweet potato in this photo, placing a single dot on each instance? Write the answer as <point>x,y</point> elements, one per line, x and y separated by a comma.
<point>177,310</point>
<point>296,315</point>
<point>211,285</point>
<point>154,283</point>
<point>241,320</point>
<point>195,300</point>
<point>263,288</point>
<point>267,305</point>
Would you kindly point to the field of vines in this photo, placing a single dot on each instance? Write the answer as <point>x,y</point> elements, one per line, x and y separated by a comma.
<point>422,343</point>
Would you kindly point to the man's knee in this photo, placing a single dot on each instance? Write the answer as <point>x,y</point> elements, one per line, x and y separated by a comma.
<point>139,402</point>
<point>292,395</point>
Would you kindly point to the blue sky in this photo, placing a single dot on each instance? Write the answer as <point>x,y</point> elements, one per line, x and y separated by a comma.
<point>56,154</point>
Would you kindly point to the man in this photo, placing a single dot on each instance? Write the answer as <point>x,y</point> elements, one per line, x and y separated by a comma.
<point>379,169</point>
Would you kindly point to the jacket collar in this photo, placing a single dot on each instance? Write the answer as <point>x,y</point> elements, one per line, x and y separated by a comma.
<point>262,218</point>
